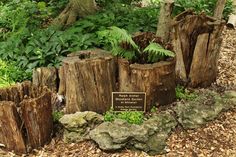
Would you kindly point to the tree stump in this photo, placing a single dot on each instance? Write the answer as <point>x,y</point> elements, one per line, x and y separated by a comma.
<point>25,117</point>
<point>37,116</point>
<point>89,81</point>
<point>196,40</point>
<point>10,127</point>
<point>46,76</point>
<point>157,80</point>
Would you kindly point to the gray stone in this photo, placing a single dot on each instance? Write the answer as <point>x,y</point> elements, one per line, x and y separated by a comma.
<point>205,108</point>
<point>231,95</point>
<point>78,125</point>
<point>149,137</point>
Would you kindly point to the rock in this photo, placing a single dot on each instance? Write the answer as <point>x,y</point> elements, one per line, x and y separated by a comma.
<point>231,95</point>
<point>206,107</point>
<point>78,125</point>
<point>149,137</point>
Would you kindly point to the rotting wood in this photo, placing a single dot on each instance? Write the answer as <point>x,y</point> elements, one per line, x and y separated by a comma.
<point>37,116</point>
<point>10,127</point>
<point>46,76</point>
<point>89,81</point>
<point>156,80</point>
<point>196,40</point>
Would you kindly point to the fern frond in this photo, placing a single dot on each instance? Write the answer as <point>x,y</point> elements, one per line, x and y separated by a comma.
<point>117,35</point>
<point>156,52</point>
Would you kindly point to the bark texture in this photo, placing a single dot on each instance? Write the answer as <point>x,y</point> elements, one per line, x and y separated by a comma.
<point>89,81</point>
<point>196,40</point>
<point>164,24</point>
<point>157,80</point>
<point>37,116</point>
<point>25,117</point>
<point>75,9</point>
<point>46,76</point>
<point>220,5</point>
<point>10,127</point>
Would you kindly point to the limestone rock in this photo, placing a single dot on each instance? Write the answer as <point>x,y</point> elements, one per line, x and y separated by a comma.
<point>231,95</point>
<point>149,137</point>
<point>78,125</point>
<point>206,107</point>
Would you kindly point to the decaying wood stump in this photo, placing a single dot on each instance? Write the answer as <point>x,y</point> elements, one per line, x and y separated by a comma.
<point>196,40</point>
<point>157,80</point>
<point>37,116</point>
<point>46,76</point>
<point>25,107</point>
<point>10,127</point>
<point>89,81</point>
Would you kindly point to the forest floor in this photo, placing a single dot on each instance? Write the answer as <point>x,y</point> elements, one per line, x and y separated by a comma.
<point>217,138</point>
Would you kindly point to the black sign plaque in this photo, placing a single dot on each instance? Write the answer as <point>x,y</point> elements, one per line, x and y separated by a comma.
<point>129,101</point>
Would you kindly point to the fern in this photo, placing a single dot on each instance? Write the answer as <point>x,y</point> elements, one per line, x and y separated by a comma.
<point>156,52</point>
<point>116,37</point>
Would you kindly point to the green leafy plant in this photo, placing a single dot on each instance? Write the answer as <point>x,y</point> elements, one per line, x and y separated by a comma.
<point>10,74</point>
<point>24,41</point>
<point>56,115</point>
<point>116,37</point>
<point>183,93</point>
<point>198,6</point>
<point>153,109</point>
<point>132,117</point>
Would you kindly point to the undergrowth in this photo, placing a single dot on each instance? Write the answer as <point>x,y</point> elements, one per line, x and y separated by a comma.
<point>184,94</point>
<point>132,117</point>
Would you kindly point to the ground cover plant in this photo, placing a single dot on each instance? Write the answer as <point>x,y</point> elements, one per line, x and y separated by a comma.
<point>25,40</point>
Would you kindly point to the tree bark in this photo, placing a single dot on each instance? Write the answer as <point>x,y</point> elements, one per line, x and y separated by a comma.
<point>220,5</point>
<point>164,24</point>
<point>196,40</point>
<point>75,9</point>
<point>89,81</point>
<point>46,76</point>
<point>10,127</point>
<point>37,117</point>
<point>157,80</point>
<point>25,107</point>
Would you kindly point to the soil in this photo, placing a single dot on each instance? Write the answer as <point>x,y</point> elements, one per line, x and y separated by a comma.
<point>217,138</point>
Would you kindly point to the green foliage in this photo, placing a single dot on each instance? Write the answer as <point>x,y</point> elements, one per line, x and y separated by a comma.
<point>56,115</point>
<point>105,3</point>
<point>23,41</point>
<point>10,74</point>
<point>206,6</point>
<point>116,37</point>
<point>156,52</point>
<point>132,117</point>
<point>153,109</point>
<point>183,93</point>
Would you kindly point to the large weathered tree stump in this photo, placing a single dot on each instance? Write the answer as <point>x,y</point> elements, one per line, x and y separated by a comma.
<point>89,80</point>
<point>196,40</point>
<point>10,127</point>
<point>46,76</point>
<point>157,80</point>
<point>25,117</point>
